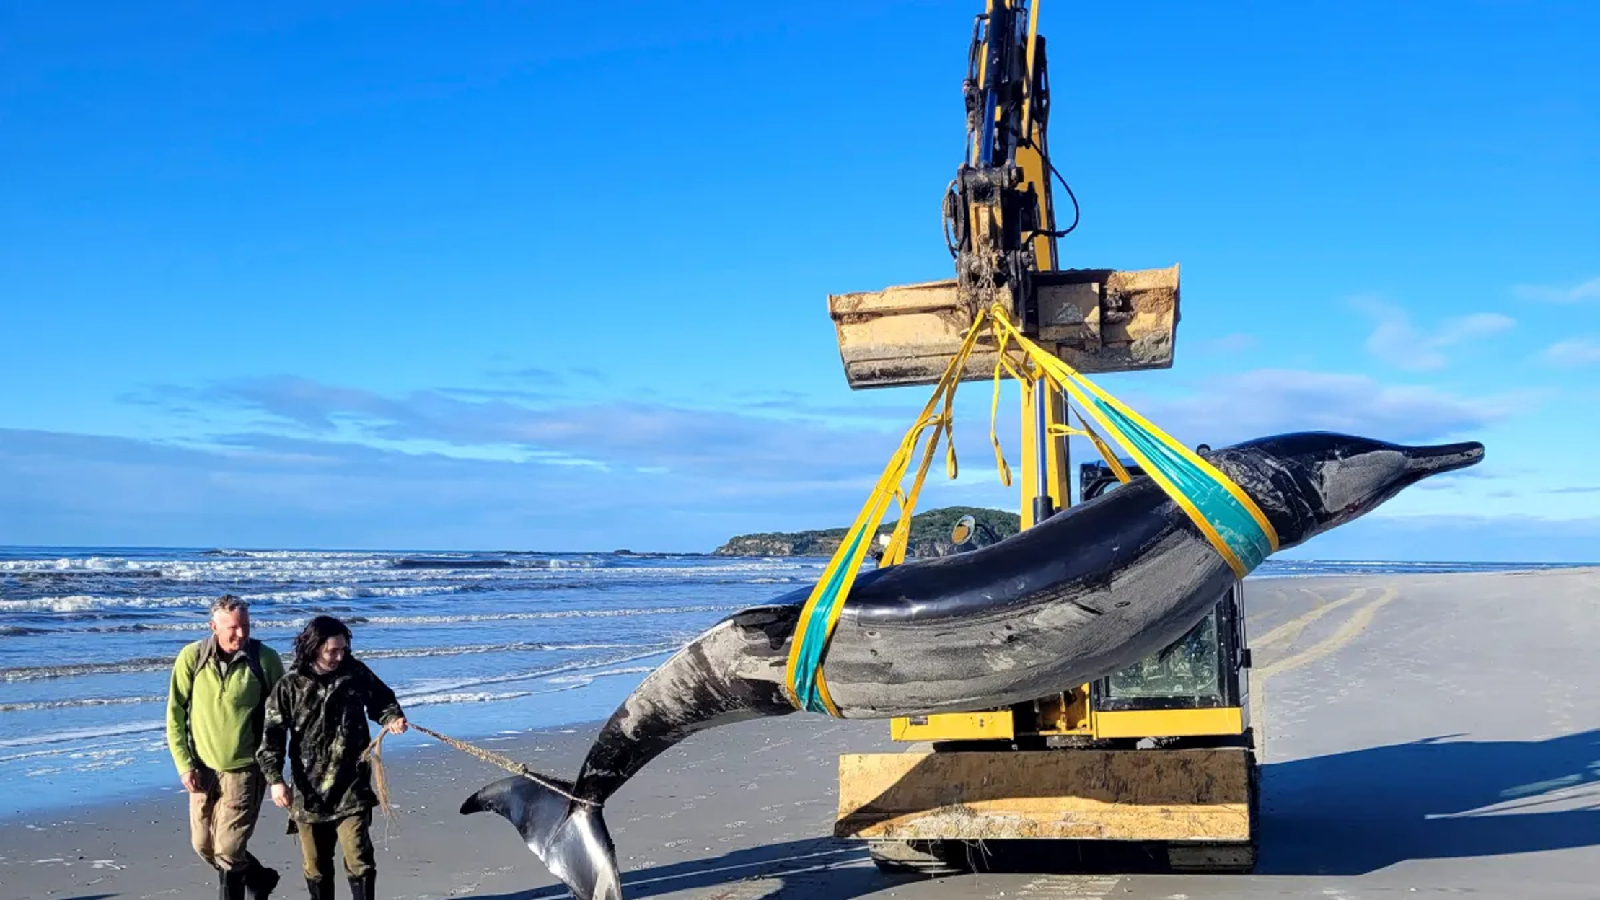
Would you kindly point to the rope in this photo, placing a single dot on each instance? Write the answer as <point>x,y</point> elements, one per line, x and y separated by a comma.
<point>374,755</point>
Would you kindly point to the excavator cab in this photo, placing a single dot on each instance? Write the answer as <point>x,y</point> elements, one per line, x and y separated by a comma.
<point>1204,669</point>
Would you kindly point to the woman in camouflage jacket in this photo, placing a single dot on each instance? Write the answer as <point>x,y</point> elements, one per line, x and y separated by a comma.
<point>324,702</point>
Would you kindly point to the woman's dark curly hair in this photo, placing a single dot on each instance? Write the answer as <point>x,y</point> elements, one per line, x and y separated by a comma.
<point>316,633</point>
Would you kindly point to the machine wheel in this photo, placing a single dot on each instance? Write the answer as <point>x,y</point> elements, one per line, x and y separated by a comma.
<point>931,858</point>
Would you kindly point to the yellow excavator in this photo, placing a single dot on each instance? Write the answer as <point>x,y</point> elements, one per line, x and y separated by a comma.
<point>1161,754</point>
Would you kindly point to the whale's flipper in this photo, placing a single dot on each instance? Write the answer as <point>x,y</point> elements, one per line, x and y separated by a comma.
<point>569,838</point>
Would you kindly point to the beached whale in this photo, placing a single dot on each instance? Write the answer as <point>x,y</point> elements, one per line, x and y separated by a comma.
<point>1078,597</point>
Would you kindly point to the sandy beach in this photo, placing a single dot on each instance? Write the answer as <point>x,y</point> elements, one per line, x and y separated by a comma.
<point>1423,734</point>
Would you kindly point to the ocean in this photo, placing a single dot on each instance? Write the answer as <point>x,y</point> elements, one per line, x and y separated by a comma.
<point>475,644</point>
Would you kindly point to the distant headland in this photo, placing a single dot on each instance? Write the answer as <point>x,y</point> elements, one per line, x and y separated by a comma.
<point>930,535</point>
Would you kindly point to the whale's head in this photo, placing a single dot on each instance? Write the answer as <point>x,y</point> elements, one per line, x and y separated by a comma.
<point>1309,482</point>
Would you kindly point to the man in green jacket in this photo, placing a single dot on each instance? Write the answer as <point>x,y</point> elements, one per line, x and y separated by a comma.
<point>216,706</point>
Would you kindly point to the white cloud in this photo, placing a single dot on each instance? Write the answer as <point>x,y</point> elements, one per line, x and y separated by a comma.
<point>1499,538</point>
<point>790,440</point>
<point>260,491</point>
<point>1573,352</point>
<point>343,466</point>
<point>1579,293</point>
<point>1269,401</point>
<point>1398,342</point>
<point>265,490</point>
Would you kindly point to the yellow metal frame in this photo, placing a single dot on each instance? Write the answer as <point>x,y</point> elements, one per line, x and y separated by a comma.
<point>993,725</point>
<point>1142,723</point>
<point>1057,478</point>
<point>1003,725</point>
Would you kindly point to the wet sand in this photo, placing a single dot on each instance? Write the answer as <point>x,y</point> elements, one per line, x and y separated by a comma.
<point>1424,734</point>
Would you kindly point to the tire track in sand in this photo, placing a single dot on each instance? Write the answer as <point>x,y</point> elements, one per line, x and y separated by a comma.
<point>1291,629</point>
<point>1349,631</point>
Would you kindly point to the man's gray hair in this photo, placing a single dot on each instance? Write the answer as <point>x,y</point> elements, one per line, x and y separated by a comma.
<point>228,603</point>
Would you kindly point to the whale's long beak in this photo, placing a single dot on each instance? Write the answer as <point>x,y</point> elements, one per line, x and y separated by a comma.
<point>1425,461</point>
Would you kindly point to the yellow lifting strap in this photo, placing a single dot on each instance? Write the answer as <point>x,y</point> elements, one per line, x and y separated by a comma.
<point>805,685</point>
<point>1223,512</point>
<point>1227,516</point>
<point>1117,468</point>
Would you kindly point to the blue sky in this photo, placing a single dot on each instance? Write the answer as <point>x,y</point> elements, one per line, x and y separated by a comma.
<point>478,275</point>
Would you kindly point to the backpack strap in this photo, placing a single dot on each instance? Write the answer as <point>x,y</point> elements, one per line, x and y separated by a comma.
<point>197,664</point>
<point>208,649</point>
<point>252,658</point>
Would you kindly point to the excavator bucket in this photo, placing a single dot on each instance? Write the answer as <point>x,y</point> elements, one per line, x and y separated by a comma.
<point>1096,320</point>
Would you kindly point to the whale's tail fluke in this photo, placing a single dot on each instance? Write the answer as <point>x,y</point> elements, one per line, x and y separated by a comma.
<point>568,836</point>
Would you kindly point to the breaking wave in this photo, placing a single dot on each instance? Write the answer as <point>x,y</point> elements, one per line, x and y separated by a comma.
<point>163,663</point>
<point>70,670</point>
<point>549,614</point>
<point>79,703</point>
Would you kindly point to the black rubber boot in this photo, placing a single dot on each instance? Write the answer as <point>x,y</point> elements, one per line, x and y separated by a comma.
<point>230,884</point>
<point>363,888</point>
<point>259,881</point>
<point>320,888</point>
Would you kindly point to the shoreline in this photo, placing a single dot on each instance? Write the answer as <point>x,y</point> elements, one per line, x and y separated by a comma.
<point>59,780</point>
<point>396,749</point>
